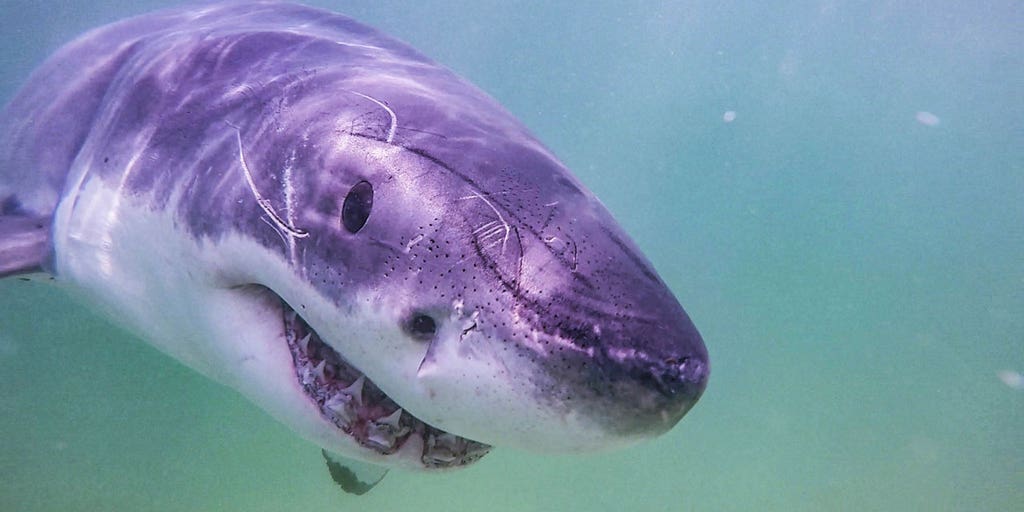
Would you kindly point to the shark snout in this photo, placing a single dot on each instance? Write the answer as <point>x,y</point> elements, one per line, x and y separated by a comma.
<point>681,379</point>
<point>657,375</point>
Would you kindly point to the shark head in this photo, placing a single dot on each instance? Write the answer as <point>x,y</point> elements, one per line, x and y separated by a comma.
<point>423,309</point>
<point>456,268</point>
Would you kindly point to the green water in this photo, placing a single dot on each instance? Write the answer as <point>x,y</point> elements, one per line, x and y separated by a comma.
<point>858,274</point>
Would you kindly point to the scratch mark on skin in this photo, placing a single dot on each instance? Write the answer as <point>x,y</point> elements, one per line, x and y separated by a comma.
<point>394,118</point>
<point>487,225</point>
<point>503,230</point>
<point>417,239</point>
<point>505,226</point>
<point>466,331</point>
<point>552,241</point>
<point>491,233</point>
<point>264,203</point>
<point>356,45</point>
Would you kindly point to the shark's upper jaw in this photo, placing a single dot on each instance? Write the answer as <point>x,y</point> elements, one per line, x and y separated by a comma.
<point>352,402</point>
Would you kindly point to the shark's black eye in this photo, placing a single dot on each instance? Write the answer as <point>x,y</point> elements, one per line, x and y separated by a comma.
<point>421,326</point>
<point>357,206</point>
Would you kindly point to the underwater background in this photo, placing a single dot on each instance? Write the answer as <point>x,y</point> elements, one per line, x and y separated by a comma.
<point>834,191</point>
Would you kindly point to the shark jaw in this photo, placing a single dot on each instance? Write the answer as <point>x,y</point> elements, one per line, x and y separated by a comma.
<point>349,400</point>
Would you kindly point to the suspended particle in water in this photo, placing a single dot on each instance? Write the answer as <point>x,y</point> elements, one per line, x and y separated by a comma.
<point>927,118</point>
<point>729,116</point>
<point>1012,379</point>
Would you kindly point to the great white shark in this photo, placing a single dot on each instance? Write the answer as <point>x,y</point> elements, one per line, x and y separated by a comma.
<point>359,241</point>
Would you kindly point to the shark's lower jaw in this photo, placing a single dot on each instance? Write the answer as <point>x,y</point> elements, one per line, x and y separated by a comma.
<point>358,407</point>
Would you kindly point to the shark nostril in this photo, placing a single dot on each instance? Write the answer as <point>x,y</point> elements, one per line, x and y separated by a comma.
<point>678,376</point>
<point>421,326</point>
<point>677,361</point>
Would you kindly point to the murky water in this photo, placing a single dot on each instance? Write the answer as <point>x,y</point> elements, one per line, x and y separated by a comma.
<point>834,190</point>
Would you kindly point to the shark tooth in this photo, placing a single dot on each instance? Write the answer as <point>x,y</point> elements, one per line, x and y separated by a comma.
<point>355,390</point>
<point>438,456</point>
<point>337,402</point>
<point>392,419</point>
<point>439,450</point>
<point>380,436</point>
<point>386,430</point>
<point>304,343</point>
<point>340,405</point>
<point>318,371</point>
<point>447,439</point>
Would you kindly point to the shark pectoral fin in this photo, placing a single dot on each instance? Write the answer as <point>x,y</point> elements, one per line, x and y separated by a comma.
<point>24,244</point>
<point>354,476</point>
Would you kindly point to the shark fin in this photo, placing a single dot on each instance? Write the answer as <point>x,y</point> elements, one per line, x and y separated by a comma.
<point>24,244</point>
<point>354,476</point>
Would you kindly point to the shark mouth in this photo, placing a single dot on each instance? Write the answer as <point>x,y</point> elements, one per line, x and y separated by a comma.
<point>347,398</point>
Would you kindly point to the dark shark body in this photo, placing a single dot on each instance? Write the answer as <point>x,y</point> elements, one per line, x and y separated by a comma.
<point>255,121</point>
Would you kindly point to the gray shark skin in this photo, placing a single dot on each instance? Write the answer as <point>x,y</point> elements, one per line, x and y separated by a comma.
<point>347,233</point>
